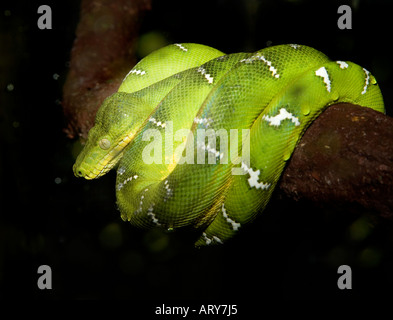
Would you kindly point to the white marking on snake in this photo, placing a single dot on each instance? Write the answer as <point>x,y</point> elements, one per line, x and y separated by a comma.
<point>295,46</point>
<point>217,239</point>
<point>367,80</point>
<point>254,177</point>
<point>247,60</point>
<point>322,72</point>
<point>169,191</point>
<point>209,149</point>
<point>272,69</point>
<point>256,57</point>
<point>342,64</point>
<point>209,241</point>
<point>208,77</point>
<point>204,121</point>
<point>135,71</point>
<point>151,214</point>
<point>157,123</point>
<point>181,47</point>
<point>283,115</point>
<point>122,184</point>
<point>235,225</point>
<point>139,210</point>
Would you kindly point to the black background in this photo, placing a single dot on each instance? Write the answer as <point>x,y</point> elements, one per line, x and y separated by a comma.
<point>47,216</point>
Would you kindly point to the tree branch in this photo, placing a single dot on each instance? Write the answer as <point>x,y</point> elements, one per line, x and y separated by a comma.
<point>102,54</point>
<point>345,158</point>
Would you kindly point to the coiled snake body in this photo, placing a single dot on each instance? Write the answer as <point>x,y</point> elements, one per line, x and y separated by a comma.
<point>201,138</point>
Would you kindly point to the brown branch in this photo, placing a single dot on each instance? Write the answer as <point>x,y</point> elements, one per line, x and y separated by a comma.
<point>345,158</point>
<point>102,54</point>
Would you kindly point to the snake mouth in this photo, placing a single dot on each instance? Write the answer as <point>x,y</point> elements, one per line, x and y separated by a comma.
<point>94,172</point>
<point>89,168</point>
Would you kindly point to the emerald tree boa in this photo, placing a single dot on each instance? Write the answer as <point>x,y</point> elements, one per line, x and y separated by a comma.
<point>201,138</point>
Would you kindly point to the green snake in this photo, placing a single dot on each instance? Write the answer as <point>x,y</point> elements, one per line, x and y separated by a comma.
<point>200,138</point>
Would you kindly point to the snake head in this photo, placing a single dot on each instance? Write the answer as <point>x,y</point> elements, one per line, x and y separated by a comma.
<point>116,123</point>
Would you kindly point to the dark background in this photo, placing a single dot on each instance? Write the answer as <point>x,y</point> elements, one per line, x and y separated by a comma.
<point>47,216</point>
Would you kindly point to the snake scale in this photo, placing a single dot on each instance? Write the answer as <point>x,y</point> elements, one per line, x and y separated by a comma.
<point>200,138</point>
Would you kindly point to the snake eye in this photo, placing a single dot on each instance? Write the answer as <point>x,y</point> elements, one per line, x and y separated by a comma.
<point>104,144</point>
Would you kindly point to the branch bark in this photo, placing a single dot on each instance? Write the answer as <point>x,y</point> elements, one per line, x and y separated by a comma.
<point>102,54</point>
<point>345,158</point>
